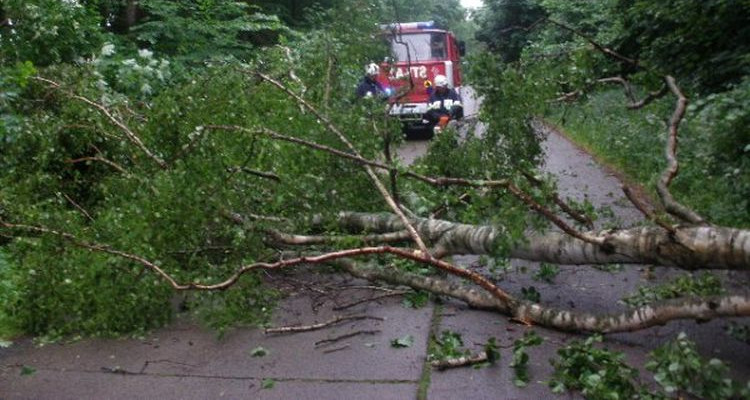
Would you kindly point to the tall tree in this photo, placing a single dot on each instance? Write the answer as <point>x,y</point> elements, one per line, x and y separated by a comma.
<point>705,43</point>
<point>503,25</point>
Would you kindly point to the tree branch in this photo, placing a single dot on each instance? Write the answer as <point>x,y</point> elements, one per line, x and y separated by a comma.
<point>606,50</point>
<point>99,159</point>
<point>662,186</point>
<point>565,320</point>
<point>378,184</point>
<point>314,327</point>
<point>414,255</point>
<point>302,240</point>
<point>649,98</point>
<point>565,207</point>
<point>435,181</point>
<point>128,133</point>
<point>625,86</point>
<point>646,212</point>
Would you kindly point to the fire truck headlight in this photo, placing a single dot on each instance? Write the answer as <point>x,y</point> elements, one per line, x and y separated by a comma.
<point>388,91</point>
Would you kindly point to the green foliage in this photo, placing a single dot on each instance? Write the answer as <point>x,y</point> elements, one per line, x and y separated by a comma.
<point>8,296</point>
<point>688,39</point>
<point>501,26</point>
<point>140,77</point>
<point>531,294</point>
<point>296,12</point>
<point>259,351</point>
<point>546,273</point>
<point>199,29</point>
<point>13,80</point>
<point>492,350</point>
<point>596,373</point>
<point>68,167</point>
<point>684,286</point>
<point>722,148</point>
<point>446,13</point>
<point>416,299</point>
<point>447,346</point>
<point>27,370</point>
<point>409,266</point>
<point>67,298</point>
<point>678,368</point>
<point>738,331</point>
<point>47,32</point>
<point>521,359</point>
<point>401,342</point>
<point>267,383</point>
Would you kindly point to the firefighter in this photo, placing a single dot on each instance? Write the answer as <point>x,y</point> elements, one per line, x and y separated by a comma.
<point>369,87</point>
<point>444,105</point>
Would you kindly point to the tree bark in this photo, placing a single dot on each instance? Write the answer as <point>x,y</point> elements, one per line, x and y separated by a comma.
<point>659,313</point>
<point>690,248</point>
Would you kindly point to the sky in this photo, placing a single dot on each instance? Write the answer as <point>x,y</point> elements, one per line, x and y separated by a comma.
<point>471,3</point>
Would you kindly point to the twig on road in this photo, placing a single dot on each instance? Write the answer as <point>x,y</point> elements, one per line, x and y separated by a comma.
<point>345,336</point>
<point>369,299</point>
<point>306,328</point>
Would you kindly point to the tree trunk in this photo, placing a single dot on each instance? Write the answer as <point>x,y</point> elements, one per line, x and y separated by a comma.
<point>691,248</point>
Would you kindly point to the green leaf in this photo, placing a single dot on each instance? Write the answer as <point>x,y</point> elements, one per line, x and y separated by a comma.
<point>520,382</point>
<point>27,370</point>
<point>259,351</point>
<point>405,341</point>
<point>267,383</point>
<point>493,353</point>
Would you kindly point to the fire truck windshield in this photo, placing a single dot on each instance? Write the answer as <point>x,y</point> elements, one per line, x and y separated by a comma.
<point>418,47</point>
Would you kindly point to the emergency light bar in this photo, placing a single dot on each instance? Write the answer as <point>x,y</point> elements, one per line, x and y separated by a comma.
<point>410,25</point>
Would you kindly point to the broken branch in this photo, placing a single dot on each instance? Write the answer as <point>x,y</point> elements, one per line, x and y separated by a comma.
<point>313,327</point>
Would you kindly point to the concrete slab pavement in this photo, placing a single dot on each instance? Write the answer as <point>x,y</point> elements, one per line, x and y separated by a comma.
<point>186,361</point>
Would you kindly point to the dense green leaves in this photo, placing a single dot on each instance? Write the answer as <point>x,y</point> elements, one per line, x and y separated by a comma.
<point>705,43</point>
<point>600,373</point>
<point>120,151</point>
<point>503,25</point>
<point>597,373</point>
<point>48,31</point>
<point>679,368</point>
<point>199,29</point>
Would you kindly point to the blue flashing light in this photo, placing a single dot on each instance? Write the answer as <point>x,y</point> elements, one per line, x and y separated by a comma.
<point>410,25</point>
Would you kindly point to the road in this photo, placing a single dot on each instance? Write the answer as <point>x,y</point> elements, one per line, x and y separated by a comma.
<point>411,149</point>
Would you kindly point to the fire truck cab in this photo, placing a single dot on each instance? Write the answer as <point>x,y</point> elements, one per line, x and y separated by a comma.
<point>419,52</point>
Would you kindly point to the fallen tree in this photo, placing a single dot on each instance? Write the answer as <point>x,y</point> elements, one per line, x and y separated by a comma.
<point>116,194</point>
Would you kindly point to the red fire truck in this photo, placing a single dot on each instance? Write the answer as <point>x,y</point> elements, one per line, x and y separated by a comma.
<point>420,51</point>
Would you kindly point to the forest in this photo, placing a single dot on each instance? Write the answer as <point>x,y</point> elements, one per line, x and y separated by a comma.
<point>157,148</point>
